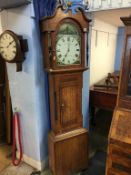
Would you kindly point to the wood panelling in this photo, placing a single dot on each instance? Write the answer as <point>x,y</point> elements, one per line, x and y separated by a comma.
<point>119,160</point>
<point>5,105</point>
<point>66,100</point>
<point>50,23</point>
<point>63,149</point>
<point>2,100</point>
<point>8,110</point>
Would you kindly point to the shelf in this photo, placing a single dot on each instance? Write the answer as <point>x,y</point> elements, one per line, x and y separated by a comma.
<point>67,70</point>
<point>6,4</point>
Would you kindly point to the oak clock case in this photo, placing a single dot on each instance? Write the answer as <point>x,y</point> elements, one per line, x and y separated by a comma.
<point>52,32</point>
<point>12,48</point>
<point>64,45</point>
<point>65,78</point>
<point>119,144</point>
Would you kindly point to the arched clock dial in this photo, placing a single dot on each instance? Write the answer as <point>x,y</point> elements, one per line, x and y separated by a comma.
<point>68,45</point>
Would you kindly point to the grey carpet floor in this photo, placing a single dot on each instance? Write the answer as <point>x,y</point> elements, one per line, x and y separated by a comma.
<point>96,164</point>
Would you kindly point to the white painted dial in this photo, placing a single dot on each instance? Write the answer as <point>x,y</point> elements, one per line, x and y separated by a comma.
<point>8,47</point>
<point>68,50</point>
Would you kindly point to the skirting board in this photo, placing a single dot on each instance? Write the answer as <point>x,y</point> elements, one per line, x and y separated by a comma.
<point>34,163</point>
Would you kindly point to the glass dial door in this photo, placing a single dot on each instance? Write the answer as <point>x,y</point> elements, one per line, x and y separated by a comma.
<point>68,45</point>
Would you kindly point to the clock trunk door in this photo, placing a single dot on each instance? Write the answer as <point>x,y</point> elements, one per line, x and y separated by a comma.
<point>70,101</point>
<point>70,105</point>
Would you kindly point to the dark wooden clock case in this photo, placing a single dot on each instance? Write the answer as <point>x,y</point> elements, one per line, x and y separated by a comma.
<point>119,146</point>
<point>49,28</point>
<point>22,47</point>
<point>68,140</point>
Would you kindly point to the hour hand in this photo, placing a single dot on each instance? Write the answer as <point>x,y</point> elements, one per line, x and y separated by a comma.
<point>68,50</point>
<point>66,54</point>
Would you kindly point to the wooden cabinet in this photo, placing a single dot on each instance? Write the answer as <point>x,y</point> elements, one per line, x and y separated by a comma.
<point>119,144</point>
<point>119,149</point>
<point>63,149</point>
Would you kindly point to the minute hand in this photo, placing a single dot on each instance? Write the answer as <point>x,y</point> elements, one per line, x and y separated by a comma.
<point>10,43</point>
<point>68,44</point>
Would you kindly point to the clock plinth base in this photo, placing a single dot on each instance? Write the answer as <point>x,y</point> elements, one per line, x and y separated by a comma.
<point>68,152</point>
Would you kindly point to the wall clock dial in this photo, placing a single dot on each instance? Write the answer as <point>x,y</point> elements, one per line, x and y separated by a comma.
<point>12,48</point>
<point>8,46</point>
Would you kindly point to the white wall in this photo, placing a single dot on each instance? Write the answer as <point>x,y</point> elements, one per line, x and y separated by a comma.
<point>103,47</point>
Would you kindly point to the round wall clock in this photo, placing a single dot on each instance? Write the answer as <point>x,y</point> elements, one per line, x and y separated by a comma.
<point>12,48</point>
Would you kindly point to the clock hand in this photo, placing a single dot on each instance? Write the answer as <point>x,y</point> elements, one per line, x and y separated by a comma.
<point>68,44</point>
<point>10,43</point>
<point>67,52</point>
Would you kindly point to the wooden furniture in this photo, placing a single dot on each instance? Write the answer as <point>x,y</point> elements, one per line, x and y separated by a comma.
<point>63,38</point>
<point>2,101</point>
<point>119,146</point>
<point>5,105</point>
<point>8,110</point>
<point>104,94</point>
<point>68,151</point>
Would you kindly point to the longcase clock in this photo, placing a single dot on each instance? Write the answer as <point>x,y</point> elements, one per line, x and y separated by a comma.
<point>119,146</point>
<point>64,49</point>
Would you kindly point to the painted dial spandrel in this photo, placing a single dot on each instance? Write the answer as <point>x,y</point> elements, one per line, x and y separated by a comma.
<point>68,45</point>
<point>7,47</point>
